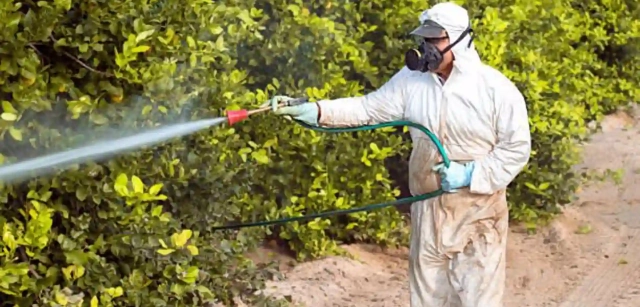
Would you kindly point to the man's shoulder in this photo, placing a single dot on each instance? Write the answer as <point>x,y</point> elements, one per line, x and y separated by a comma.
<point>408,78</point>
<point>405,72</point>
<point>494,75</point>
<point>497,80</point>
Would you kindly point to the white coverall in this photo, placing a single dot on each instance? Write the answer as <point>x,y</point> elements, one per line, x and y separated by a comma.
<point>458,240</point>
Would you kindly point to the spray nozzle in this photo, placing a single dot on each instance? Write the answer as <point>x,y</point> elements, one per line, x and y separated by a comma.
<point>235,116</point>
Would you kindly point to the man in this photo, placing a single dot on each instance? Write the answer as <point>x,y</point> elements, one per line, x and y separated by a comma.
<point>458,240</point>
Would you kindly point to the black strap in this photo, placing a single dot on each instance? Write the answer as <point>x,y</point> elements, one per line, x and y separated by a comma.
<point>468,30</point>
<point>471,37</point>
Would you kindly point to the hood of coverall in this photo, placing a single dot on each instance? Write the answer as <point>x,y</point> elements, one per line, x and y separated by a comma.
<point>455,20</point>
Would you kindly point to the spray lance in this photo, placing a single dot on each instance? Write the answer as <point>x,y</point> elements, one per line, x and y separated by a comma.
<point>236,116</point>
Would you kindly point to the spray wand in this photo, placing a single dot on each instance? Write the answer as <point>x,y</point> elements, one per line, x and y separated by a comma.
<point>235,116</point>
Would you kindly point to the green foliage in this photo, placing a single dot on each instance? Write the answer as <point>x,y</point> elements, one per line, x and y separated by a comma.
<point>135,230</point>
<point>127,250</point>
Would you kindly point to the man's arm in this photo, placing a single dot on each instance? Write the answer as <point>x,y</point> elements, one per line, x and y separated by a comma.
<point>385,104</point>
<point>495,171</point>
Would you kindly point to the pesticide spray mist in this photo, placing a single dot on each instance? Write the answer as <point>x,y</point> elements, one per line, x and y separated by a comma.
<point>45,165</point>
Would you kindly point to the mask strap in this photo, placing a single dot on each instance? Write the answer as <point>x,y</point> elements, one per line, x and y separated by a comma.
<point>462,35</point>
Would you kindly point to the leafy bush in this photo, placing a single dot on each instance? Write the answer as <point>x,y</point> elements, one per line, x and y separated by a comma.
<point>68,68</point>
<point>108,234</point>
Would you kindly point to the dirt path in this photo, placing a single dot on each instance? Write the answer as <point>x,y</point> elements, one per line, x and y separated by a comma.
<point>589,257</point>
<point>615,282</point>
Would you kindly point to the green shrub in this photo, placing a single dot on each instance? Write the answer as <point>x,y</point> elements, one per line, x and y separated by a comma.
<point>128,251</point>
<point>77,232</point>
<point>71,70</point>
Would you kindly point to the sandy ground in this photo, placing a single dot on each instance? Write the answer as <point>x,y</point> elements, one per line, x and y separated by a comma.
<point>588,257</point>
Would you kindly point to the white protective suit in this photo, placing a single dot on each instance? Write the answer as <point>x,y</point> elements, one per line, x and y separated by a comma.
<point>458,240</point>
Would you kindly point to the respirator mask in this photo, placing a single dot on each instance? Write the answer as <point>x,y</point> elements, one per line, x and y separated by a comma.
<point>428,57</point>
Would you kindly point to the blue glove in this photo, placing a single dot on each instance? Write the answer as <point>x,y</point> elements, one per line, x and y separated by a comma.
<point>455,176</point>
<point>306,112</point>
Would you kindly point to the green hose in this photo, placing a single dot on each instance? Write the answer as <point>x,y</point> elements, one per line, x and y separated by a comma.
<point>402,201</point>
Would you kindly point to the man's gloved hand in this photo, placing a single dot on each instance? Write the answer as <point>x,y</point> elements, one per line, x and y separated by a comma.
<point>306,112</point>
<point>455,176</point>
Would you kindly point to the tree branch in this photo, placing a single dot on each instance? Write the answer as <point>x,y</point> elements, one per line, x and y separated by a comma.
<point>35,49</point>
<point>24,258</point>
<point>69,55</point>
